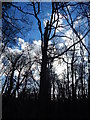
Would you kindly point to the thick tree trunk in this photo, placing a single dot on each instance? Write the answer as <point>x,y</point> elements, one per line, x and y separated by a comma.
<point>44,78</point>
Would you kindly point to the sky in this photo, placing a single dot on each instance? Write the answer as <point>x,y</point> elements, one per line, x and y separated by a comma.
<point>31,33</point>
<point>30,30</point>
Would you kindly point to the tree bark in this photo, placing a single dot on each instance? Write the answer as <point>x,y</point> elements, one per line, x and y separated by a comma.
<point>43,78</point>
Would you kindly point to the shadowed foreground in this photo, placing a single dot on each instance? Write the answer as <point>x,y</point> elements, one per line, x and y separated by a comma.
<point>29,109</point>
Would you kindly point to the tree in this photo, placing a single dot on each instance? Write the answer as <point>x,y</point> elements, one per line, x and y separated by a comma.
<point>52,32</point>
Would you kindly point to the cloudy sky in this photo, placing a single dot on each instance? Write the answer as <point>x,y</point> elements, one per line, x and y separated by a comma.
<point>30,32</point>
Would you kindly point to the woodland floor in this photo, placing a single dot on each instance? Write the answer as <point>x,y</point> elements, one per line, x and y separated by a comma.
<point>19,109</point>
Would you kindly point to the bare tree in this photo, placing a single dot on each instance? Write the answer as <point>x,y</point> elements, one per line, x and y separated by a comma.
<point>49,33</point>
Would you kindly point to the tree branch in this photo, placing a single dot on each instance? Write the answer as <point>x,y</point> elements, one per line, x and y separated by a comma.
<point>71,46</point>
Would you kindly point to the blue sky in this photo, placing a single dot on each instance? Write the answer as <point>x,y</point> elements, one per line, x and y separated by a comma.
<point>31,33</point>
<point>30,30</point>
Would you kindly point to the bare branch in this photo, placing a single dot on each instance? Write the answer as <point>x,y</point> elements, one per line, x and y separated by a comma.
<point>71,46</point>
<point>19,8</point>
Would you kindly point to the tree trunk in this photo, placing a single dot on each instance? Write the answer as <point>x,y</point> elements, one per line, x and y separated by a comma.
<point>67,77</point>
<point>43,78</point>
<point>72,81</point>
<point>11,83</point>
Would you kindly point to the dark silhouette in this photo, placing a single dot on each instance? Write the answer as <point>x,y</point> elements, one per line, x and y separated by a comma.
<point>63,96</point>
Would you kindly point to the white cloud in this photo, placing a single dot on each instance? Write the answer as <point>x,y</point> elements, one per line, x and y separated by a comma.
<point>36,75</point>
<point>60,21</point>
<point>16,73</point>
<point>61,45</point>
<point>16,50</point>
<point>59,68</point>
<point>20,41</point>
<point>49,42</point>
<point>22,44</point>
<point>33,66</point>
<point>44,21</point>
<point>55,18</point>
<point>38,43</point>
<point>36,50</point>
